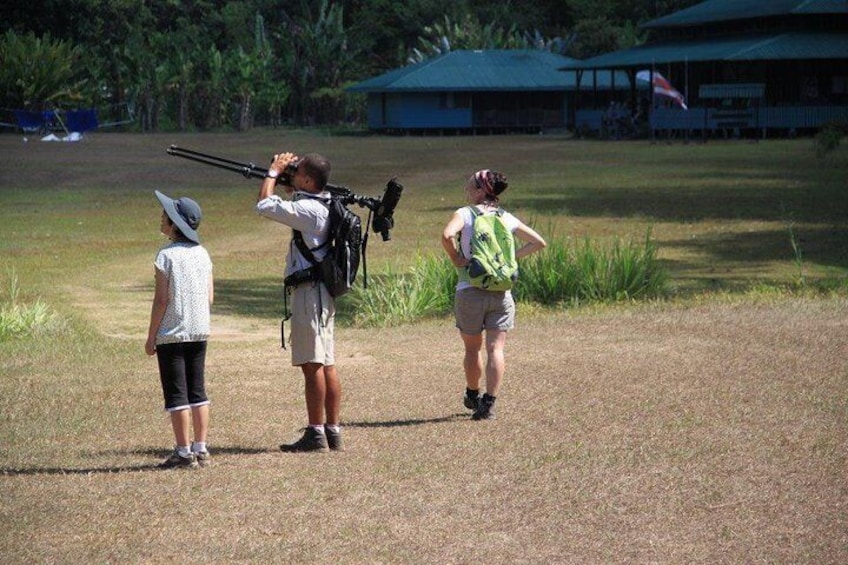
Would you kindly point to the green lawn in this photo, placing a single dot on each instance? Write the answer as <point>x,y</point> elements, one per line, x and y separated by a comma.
<point>724,215</point>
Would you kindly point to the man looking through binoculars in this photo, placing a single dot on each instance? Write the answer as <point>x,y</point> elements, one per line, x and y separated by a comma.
<point>312,307</point>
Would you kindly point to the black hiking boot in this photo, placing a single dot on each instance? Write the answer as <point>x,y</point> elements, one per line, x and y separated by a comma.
<point>471,399</point>
<point>485,409</point>
<point>312,440</point>
<point>334,440</point>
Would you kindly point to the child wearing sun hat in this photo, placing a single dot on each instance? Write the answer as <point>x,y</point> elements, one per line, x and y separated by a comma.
<point>180,327</point>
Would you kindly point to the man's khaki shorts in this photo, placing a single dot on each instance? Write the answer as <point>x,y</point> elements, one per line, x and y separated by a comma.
<point>313,317</point>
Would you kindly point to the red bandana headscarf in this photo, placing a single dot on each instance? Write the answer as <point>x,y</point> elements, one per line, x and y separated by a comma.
<point>483,179</point>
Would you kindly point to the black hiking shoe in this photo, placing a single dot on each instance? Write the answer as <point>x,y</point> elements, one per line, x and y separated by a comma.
<point>485,409</point>
<point>177,461</point>
<point>203,458</point>
<point>471,399</point>
<point>334,440</point>
<point>311,440</point>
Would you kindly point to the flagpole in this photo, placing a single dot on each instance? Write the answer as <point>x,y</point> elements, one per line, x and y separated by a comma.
<point>686,90</point>
<point>651,98</point>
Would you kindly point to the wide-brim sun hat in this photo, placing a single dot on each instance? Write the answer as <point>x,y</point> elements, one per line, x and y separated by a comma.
<point>184,213</point>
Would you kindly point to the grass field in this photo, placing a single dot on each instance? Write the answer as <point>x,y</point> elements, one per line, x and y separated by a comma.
<point>708,427</point>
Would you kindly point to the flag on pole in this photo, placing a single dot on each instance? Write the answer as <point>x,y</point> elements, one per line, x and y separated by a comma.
<point>662,87</point>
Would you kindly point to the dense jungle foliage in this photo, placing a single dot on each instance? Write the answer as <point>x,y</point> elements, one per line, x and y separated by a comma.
<point>206,64</point>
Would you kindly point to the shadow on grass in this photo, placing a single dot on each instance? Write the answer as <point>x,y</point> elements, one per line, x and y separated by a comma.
<point>411,422</point>
<point>32,471</point>
<point>682,204</point>
<point>258,298</point>
<point>825,246</point>
<point>263,298</point>
<point>159,452</point>
<point>105,470</point>
<point>679,205</point>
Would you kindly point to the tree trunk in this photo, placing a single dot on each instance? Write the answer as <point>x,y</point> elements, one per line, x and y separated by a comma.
<point>183,111</point>
<point>244,114</point>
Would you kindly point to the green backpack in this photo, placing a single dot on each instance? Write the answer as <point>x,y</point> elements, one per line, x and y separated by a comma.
<point>492,264</point>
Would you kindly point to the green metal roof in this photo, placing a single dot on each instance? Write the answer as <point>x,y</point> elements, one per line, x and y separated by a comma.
<point>783,46</point>
<point>728,10</point>
<point>489,70</point>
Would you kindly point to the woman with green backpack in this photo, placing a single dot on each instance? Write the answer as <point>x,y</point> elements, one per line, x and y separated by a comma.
<point>480,241</point>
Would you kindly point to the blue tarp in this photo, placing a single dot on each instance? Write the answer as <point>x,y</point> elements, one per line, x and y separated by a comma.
<point>81,120</point>
<point>29,120</point>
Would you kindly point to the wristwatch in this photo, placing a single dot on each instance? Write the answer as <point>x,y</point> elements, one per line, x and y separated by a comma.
<point>272,174</point>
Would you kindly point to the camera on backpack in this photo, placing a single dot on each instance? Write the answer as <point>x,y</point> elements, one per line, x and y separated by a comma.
<point>384,220</point>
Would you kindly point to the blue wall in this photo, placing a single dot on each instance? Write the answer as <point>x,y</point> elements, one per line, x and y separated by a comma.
<point>414,111</point>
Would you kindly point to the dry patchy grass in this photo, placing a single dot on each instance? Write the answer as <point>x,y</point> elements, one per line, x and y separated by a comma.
<point>706,434</point>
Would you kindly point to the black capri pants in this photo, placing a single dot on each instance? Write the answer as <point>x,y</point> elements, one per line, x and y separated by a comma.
<point>181,370</point>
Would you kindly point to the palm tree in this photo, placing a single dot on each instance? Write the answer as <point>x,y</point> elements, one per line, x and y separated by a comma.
<point>322,56</point>
<point>38,72</point>
<point>442,37</point>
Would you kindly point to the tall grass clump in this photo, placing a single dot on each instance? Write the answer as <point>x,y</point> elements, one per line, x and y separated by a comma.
<point>548,277</point>
<point>561,274</point>
<point>798,257</point>
<point>396,298</point>
<point>622,271</point>
<point>590,272</point>
<point>20,320</point>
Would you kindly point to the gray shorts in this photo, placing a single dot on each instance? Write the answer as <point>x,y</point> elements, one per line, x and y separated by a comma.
<point>477,309</point>
<point>313,316</point>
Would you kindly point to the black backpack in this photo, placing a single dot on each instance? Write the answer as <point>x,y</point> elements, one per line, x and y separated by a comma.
<point>344,241</point>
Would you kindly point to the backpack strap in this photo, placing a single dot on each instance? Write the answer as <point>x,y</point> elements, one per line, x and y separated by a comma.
<point>304,249</point>
<point>298,235</point>
<point>312,273</point>
<point>475,213</point>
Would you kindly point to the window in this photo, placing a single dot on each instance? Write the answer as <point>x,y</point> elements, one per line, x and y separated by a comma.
<point>451,100</point>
